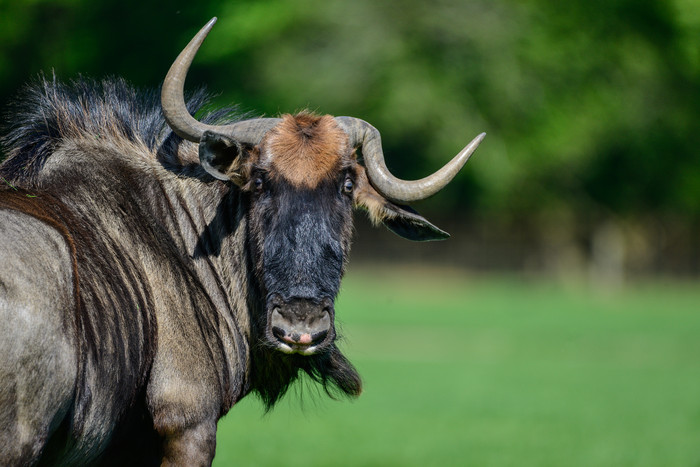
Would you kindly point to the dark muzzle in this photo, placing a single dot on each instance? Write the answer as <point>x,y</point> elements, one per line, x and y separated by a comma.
<point>300,325</point>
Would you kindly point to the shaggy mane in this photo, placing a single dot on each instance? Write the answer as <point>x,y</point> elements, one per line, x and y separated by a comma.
<point>48,112</point>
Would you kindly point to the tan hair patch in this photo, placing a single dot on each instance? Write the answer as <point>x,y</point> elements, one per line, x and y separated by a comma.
<point>305,149</point>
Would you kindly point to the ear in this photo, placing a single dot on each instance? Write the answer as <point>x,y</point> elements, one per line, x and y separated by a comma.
<point>221,157</point>
<point>402,220</point>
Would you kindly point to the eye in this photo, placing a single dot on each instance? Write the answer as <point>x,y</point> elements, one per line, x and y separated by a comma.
<point>258,183</point>
<point>348,186</point>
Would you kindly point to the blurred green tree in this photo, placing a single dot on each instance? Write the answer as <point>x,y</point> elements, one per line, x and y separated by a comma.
<point>591,106</point>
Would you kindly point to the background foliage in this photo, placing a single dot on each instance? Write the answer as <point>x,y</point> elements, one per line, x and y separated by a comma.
<point>591,106</point>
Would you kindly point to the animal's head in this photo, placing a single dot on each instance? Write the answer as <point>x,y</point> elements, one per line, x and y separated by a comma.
<point>302,178</point>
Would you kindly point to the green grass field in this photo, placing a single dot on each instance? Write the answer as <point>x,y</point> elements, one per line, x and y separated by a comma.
<point>462,370</point>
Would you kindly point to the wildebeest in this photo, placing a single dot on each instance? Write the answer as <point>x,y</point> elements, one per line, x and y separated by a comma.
<point>157,268</point>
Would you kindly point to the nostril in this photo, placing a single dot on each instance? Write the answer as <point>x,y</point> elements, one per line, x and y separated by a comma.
<point>279,333</point>
<point>280,326</point>
<point>319,336</point>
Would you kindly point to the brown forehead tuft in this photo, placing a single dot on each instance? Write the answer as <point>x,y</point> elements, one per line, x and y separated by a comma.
<point>305,148</point>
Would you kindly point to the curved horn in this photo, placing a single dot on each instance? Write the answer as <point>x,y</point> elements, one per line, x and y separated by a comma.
<point>175,110</point>
<point>395,189</point>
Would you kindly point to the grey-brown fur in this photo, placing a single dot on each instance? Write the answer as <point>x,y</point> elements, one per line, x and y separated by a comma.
<point>162,318</point>
<point>137,292</point>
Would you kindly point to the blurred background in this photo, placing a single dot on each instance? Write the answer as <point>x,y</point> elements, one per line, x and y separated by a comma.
<point>559,325</point>
<point>591,163</point>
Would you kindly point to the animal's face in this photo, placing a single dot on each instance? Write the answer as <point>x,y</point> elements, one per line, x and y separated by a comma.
<point>300,220</point>
<point>300,239</point>
<point>301,177</point>
<point>301,184</point>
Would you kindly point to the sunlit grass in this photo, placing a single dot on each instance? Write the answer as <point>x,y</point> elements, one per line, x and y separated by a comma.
<point>500,371</point>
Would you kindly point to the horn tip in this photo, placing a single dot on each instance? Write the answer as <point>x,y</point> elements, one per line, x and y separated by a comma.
<point>471,147</point>
<point>473,144</point>
<point>210,24</point>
